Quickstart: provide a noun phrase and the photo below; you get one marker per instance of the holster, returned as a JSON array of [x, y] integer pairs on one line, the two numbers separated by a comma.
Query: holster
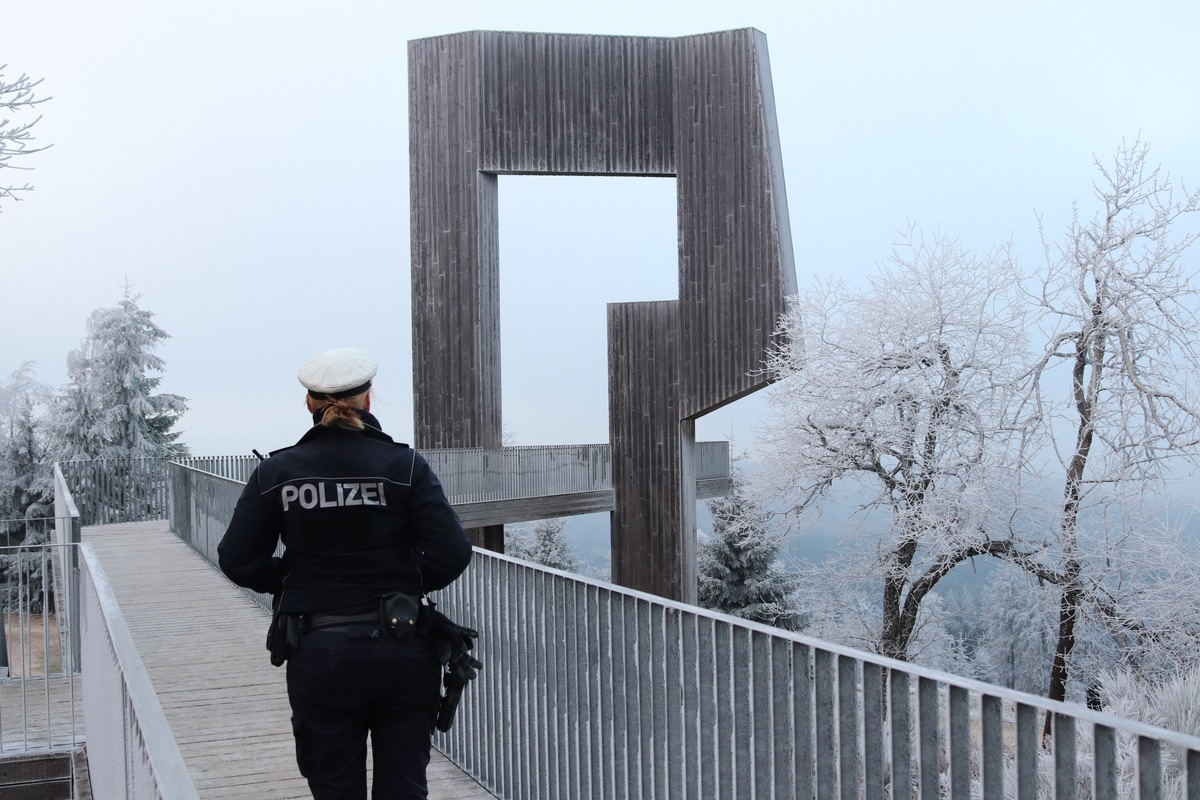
[[453, 644], [448, 704], [283, 637]]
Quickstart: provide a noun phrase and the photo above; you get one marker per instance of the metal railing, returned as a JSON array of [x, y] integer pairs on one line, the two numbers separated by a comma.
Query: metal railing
[[202, 504], [590, 690], [112, 490], [237, 468], [132, 489], [593, 691], [40, 702], [131, 751], [513, 473]]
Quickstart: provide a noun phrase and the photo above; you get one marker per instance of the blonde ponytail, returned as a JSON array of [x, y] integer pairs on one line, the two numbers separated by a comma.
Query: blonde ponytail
[[339, 412]]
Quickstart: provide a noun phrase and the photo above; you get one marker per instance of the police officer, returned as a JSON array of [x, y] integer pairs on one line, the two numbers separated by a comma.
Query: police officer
[[361, 517]]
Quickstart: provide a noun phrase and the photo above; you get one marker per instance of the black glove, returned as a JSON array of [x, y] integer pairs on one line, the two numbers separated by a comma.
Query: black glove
[[453, 644]]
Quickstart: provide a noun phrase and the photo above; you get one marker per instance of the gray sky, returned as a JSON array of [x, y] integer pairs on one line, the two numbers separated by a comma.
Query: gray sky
[[244, 166]]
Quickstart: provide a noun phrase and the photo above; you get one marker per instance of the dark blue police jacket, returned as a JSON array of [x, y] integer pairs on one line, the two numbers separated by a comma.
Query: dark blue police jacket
[[359, 516]]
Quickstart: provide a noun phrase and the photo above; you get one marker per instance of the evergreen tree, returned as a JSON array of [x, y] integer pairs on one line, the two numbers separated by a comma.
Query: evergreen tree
[[26, 490], [109, 409], [25, 580], [738, 564], [76, 430], [545, 544], [25, 483]]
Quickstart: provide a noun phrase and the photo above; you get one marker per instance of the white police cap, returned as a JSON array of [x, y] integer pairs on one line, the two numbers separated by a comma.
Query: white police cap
[[341, 372]]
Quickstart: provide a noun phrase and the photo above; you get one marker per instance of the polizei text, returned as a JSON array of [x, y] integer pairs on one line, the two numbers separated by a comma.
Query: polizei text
[[329, 494]]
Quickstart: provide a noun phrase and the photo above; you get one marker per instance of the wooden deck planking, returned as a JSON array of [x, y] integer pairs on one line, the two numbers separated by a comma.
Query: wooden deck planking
[[202, 641], [23, 719]]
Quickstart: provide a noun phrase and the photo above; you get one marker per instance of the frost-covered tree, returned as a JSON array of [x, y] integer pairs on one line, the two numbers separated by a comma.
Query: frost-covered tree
[[1140, 596], [26, 489], [77, 432], [25, 483], [16, 95], [544, 543], [738, 565], [1018, 631], [901, 393], [110, 408], [1172, 702], [1120, 307], [25, 574]]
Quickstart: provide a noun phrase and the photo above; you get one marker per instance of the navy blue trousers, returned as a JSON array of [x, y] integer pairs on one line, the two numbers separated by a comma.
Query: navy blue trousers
[[348, 684]]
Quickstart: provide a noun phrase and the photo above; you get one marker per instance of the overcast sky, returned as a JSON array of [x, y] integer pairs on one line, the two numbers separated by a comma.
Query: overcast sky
[[243, 165]]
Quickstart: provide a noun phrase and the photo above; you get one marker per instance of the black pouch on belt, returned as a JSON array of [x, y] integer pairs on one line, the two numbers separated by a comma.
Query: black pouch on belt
[[283, 638], [398, 615]]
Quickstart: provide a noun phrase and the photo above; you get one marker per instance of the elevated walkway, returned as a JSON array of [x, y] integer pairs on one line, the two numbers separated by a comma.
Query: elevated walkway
[[201, 639], [589, 691]]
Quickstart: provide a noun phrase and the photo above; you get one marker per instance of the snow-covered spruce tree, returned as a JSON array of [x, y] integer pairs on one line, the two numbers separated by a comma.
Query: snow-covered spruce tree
[[16, 95], [902, 395], [26, 490], [738, 563], [76, 429], [545, 543], [25, 481], [110, 408], [1121, 311]]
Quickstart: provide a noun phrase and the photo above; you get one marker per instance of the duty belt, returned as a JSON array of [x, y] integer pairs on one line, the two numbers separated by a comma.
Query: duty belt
[[314, 622]]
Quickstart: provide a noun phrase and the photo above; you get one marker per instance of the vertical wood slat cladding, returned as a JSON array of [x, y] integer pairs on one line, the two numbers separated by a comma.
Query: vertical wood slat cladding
[[643, 375], [455, 251], [734, 238], [735, 265], [565, 104], [699, 107]]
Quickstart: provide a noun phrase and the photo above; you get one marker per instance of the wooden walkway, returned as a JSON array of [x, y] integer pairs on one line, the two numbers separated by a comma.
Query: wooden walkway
[[201, 640], [36, 714]]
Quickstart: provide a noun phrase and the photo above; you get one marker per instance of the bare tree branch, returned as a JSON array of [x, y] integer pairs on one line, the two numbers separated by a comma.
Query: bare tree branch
[[17, 96]]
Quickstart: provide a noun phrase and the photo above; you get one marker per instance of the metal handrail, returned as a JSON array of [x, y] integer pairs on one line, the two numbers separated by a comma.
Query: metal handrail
[[133, 489], [590, 690], [38, 688], [131, 750]]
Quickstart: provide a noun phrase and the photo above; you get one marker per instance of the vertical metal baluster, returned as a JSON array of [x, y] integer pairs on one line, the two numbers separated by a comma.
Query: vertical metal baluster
[[873, 752], [826, 725], [1028, 742], [1064, 757], [930, 749], [848, 711], [960, 744], [992, 723], [1149, 769], [1104, 772], [901, 713]]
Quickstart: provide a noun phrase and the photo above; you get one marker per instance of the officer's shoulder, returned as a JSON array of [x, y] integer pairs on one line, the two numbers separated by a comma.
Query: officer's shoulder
[[383, 440]]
